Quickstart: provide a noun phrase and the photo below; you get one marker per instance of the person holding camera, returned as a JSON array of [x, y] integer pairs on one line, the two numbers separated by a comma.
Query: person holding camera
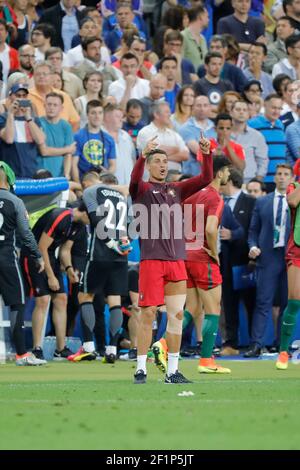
[[20, 133]]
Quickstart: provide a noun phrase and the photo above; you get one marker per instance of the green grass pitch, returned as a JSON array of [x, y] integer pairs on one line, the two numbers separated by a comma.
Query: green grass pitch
[[96, 406]]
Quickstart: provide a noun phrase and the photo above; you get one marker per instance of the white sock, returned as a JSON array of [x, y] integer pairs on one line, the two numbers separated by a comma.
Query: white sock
[[141, 363], [111, 350], [89, 346], [173, 359]]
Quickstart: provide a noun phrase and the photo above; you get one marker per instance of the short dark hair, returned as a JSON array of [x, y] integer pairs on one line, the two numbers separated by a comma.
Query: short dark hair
[[93, 104], [219, 38], [286, 166], [261, 45], [129, 56], [272, 96], [222, 117], [193, 13], [212, 55], [167, 58], [108, 178], [236, 177], [84, 13], [84, 20], [291, 41], [53, 50], [87, 41], [278, 81], [173, 36], [219, 163], [153, 152], [47, 30], [53, 94], [286, 18], [263, 187], [133, 103]]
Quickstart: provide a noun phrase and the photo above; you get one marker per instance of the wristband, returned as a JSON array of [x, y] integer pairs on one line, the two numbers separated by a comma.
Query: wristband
[[68, 267], [29, 120]]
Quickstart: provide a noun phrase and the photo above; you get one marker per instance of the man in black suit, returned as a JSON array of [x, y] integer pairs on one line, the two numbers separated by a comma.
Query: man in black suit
[[268, 236], [242, 206], [64, 17]]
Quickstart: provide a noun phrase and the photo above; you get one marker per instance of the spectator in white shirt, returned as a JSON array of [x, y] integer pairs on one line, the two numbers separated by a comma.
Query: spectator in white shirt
[[130, 86], [291, 65], [125, 149], [168, 140], [41, 39]]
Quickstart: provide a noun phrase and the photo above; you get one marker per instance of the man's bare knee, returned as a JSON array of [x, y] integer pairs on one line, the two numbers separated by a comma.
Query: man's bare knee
[[148, 315], [42, 302]]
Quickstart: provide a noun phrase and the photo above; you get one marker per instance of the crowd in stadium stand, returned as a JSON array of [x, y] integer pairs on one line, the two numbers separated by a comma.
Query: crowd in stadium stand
[[85, 87]]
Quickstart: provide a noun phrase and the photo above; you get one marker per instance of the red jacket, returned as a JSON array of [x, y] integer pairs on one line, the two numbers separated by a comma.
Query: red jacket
[[13, 58]]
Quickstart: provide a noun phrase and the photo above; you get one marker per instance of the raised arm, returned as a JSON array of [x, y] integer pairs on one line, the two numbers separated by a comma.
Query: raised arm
[[293, 197], [137, 185], [192, 185], [136, 179]]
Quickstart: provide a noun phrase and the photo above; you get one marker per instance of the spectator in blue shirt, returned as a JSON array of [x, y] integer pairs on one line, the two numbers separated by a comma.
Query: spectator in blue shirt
[[256, 56], [173, 42], [95, 148], [114, 25], [191, 132], [292, 134], [169, 70], [133, 123], [273, 131], [56, 154]]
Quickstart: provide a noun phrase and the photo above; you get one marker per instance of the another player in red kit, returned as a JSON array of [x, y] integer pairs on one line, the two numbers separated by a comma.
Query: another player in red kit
[[291, 312], [162, 270], [202, 263]]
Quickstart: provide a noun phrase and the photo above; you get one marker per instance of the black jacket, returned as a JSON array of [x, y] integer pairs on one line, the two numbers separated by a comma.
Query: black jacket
[[54, 16], [242, 212]]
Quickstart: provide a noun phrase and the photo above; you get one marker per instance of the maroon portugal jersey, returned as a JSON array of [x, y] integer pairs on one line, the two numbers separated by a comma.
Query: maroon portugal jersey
[[162, 234]]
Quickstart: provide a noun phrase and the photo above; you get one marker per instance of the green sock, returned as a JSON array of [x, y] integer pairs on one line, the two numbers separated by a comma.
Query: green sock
[[187, 318], [288, 322], [209, 333]]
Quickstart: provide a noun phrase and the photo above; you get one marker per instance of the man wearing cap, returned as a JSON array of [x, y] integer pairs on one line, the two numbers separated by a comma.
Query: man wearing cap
[[20, 133]]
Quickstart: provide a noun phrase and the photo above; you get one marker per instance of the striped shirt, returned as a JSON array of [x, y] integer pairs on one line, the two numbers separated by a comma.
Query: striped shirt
[[293, 142], [276, 141]]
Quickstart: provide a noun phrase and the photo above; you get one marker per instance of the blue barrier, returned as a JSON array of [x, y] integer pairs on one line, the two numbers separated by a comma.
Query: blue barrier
[[43, 186]]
